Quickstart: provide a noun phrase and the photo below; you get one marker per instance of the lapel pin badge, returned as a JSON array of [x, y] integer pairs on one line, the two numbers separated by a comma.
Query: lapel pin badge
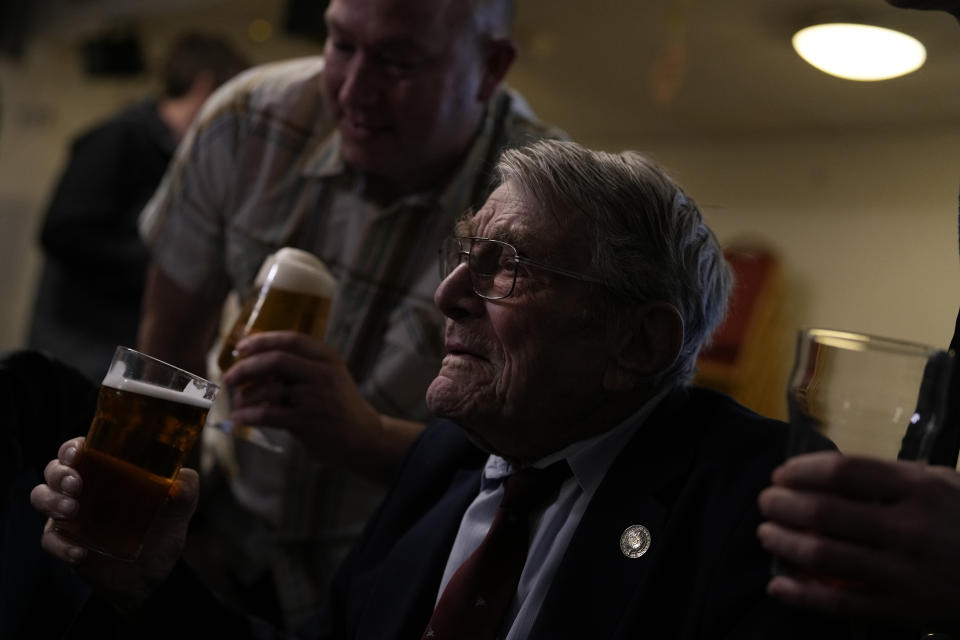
[[635, 541]]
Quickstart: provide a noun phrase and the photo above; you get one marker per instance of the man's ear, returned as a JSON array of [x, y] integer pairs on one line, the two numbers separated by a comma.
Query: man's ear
[[498, 55], [645, 344]]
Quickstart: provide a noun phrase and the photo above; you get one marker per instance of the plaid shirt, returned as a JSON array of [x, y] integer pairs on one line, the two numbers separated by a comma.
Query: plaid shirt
[[261, 170]]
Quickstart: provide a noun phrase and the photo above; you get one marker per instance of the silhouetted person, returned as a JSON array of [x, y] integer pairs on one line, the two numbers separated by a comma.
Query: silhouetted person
[[89, 296]]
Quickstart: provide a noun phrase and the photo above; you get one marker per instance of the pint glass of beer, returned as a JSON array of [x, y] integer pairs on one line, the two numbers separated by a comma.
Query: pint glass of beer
[[295, 290], [148, 416]]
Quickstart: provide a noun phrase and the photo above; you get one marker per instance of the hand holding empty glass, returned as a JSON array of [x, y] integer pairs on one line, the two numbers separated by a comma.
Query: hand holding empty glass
[[870, 533], [871, 396]]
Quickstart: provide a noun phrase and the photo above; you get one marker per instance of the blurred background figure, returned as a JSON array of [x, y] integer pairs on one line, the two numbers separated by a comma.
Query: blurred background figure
[[88, 303], [94, 260]]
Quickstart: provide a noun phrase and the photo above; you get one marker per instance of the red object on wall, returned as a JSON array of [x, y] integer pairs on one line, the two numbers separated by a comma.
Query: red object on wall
[[753, 269], [746, 356]]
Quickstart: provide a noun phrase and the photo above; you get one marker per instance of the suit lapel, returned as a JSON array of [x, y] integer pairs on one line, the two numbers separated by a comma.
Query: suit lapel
[[596, 581], [402, 600]]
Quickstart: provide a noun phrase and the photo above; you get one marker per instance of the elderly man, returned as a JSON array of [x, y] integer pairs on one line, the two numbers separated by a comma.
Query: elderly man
[[888, 531], [576, 301], [365, 157]]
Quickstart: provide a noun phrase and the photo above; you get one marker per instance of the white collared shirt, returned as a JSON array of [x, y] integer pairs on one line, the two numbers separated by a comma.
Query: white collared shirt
[[553, 528]]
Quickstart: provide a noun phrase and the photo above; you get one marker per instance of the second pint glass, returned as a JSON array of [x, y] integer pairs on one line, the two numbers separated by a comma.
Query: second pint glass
[[295, 290]]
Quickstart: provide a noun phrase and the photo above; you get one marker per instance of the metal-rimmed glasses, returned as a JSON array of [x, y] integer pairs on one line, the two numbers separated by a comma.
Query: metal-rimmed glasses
[[493, 265]]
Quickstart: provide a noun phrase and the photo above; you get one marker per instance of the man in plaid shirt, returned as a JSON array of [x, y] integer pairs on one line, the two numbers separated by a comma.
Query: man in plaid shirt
[[364, 156]]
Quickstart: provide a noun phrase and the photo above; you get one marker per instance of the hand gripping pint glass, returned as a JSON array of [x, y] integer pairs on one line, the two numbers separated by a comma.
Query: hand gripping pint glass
[[295, 290], [148, 416]]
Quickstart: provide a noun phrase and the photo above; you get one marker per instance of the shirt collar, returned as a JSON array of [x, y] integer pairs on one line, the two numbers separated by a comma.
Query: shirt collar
[[588, 459], [326, 161]]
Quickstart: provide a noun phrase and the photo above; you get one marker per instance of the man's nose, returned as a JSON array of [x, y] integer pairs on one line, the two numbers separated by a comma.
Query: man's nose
[[455, 296], [362, 82]]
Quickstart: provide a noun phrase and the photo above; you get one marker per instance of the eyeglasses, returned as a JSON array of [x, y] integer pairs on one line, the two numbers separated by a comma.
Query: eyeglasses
[[492, 265]]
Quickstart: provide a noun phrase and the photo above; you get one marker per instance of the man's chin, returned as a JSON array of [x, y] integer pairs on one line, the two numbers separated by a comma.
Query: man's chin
[[363, 158], [445, 398]]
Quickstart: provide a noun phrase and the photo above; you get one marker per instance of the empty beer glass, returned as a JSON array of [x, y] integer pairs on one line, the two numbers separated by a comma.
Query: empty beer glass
[[872, 396], [148, 416]]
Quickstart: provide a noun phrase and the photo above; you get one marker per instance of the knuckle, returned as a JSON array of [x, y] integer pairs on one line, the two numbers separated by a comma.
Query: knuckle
[[811, 551], [837, 468], [38, 496], [933, 488], [64, 453], [818, 512], [776, 502], [50, 471]]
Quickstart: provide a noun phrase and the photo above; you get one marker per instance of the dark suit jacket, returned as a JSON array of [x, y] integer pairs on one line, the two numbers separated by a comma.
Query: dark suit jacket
[[691, 475]]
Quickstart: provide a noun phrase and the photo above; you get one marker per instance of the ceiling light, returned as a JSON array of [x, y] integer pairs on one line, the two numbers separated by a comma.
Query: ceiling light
[[859, 51]]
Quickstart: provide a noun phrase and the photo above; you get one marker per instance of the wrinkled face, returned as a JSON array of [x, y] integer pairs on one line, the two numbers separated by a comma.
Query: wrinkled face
[[522, 375], [403, 80]]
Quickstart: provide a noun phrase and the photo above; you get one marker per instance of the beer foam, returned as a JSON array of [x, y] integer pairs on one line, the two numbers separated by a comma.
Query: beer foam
[[190, 395], [264, 270], [301, 272]]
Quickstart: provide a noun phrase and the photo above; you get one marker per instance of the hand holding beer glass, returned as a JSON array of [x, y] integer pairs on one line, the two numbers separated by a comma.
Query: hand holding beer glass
[[295, 290], [873, 397], [148, 416]]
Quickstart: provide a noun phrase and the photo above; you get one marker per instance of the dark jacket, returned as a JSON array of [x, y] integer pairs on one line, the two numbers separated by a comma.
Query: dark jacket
[[90, 291], [691, 475]]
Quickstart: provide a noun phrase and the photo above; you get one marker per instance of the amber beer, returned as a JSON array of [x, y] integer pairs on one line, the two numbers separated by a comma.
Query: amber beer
[[148, 416], [295, 290]]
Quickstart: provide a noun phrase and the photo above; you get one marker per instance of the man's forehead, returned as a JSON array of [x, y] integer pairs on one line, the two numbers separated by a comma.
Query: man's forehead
[[503, 210], [398, 13], [511, 217]]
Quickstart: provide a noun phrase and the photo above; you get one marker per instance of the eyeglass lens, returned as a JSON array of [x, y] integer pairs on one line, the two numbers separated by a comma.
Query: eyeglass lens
[[490, 264]]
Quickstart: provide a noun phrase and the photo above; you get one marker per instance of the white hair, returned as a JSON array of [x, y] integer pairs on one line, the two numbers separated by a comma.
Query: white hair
[[649, 241]]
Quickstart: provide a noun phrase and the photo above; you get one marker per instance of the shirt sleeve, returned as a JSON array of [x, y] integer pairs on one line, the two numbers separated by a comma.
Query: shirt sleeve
[[183, 224]]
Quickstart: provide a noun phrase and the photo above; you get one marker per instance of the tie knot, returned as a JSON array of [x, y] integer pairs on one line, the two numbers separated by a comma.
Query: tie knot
[[526, 489]]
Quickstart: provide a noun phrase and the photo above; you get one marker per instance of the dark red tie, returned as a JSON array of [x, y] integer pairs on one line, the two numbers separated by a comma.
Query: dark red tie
[[478, 595]]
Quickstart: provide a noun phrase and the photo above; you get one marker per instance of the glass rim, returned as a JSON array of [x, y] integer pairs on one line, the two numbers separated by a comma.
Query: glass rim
[[121, 348], [860, 341]]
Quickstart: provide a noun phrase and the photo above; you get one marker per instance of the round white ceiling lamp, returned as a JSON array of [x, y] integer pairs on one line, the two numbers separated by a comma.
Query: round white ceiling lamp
[[859, 51]]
